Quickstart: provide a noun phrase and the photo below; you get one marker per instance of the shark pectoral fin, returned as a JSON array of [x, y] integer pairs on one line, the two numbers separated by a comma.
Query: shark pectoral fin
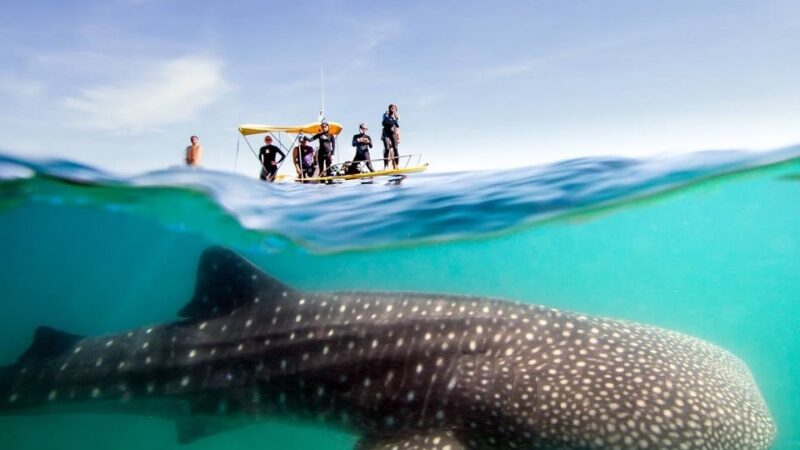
[[191, 429], [431, 440], [48, 342], [226, 281]]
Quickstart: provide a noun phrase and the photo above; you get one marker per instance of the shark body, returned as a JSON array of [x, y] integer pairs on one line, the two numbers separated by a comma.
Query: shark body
[[400, 370]]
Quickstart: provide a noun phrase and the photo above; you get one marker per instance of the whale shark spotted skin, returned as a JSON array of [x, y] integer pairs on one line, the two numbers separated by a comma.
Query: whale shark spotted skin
[[400, 370]]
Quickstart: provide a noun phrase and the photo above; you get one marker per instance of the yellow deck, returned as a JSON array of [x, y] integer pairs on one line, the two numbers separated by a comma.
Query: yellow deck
[[358, 176]]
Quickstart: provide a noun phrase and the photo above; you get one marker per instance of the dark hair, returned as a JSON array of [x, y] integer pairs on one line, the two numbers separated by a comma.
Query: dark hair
[[392, 104], [193, 137]]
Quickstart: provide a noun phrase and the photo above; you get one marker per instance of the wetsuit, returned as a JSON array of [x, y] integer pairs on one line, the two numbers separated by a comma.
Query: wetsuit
[[362, 150], [267, 155], [389, 137], [327, 146], [306, 161]]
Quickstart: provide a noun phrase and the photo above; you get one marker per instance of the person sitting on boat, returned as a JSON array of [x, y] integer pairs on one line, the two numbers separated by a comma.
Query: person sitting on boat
[[303, 159], [327, 146], [267, 155], [362, 142], [390, 137]]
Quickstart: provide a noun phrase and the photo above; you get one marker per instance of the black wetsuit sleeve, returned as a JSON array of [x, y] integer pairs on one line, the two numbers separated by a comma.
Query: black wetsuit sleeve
[[315, 137], [283, 155], [333, 145], [355, 142], [370, 141]]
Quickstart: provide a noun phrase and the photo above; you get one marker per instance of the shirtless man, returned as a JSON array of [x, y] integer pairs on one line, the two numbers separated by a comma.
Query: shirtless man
[[194, 152]]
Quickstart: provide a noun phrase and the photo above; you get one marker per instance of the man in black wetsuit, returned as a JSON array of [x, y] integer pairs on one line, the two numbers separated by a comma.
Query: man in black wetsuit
[[362, 142], [267, 155], [390, 137], [327, 146]]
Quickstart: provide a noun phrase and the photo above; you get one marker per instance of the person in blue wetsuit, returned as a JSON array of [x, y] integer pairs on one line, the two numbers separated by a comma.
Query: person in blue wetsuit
[[362, 142], [327, 146], [390, 137]]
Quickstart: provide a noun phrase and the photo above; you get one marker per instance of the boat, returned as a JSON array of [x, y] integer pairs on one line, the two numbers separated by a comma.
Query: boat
[[339, 172]]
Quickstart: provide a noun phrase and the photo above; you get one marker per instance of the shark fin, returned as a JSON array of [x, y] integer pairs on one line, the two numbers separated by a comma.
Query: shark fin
[[434, 439], [191, 429], [226, 281], [48, 342]]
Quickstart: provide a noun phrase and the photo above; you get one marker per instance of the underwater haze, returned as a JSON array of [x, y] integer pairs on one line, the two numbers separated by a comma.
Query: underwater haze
[[706, 244]]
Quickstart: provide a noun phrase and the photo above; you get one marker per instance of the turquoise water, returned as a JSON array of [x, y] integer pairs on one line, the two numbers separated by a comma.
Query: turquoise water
[[708, 245]]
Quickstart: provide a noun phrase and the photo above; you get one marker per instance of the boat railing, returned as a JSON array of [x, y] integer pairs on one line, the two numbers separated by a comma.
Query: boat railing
[[407, 158], [404, 160]]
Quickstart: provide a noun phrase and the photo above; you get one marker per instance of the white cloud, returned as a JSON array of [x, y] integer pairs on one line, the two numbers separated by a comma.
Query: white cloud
[[20, 87], [172, 92]]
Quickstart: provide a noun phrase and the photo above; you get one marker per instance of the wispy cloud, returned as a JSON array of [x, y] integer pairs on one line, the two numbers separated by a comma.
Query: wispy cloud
[[174, 91], [543, 62], [372, 35], [428, 100], [510, 70], [20, 87]]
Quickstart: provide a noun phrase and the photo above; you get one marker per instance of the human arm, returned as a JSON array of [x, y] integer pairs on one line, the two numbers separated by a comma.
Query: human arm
[[296, 160], [283, 155]]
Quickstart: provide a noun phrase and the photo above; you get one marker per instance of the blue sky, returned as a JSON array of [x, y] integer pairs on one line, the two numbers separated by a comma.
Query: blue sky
[[121, 85]]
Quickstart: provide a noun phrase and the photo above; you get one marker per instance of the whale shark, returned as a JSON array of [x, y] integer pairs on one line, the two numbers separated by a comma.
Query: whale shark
[[399, 370]]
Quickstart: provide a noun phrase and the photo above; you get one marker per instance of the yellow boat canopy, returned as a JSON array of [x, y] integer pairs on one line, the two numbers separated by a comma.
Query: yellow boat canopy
[[311, 128]]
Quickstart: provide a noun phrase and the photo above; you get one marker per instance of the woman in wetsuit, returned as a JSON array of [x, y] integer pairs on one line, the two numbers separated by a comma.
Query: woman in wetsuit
[[390, 137], [327, 146]]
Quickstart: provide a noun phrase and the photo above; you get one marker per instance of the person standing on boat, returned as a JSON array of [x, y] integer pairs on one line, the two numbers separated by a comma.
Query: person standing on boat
[[303, 159], [327, 146], [267, 155], [391, 137], [362, 142], [194, 152]]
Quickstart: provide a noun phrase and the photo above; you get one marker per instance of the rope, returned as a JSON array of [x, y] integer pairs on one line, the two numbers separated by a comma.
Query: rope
[[236, 160]]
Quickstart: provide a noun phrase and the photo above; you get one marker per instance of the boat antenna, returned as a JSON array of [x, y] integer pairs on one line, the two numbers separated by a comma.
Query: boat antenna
[[322, 94]]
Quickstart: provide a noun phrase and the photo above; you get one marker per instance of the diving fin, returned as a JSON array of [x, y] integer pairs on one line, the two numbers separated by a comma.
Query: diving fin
[[191, 429], [48, 342], [432, 440]]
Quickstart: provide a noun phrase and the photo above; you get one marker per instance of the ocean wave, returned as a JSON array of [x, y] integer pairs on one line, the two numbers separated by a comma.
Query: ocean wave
[[425, 207]]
